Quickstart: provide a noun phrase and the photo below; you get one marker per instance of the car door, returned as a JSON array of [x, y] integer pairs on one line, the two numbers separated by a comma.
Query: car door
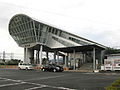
[[24, 66], [21, 65], [49, 67]]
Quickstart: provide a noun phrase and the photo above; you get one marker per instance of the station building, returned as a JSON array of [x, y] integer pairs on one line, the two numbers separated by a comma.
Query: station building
[[34, 35]]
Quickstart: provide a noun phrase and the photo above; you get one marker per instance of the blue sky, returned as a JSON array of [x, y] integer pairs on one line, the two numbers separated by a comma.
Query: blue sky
[[97, 20]]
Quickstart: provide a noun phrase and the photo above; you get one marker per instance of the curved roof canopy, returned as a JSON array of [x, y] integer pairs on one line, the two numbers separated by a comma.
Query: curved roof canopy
[[21, 28], [28, 32]]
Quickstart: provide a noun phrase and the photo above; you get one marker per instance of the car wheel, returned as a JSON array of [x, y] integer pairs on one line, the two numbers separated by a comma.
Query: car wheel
[[54, 70], [19, 68], [43, 69], [26, 68]]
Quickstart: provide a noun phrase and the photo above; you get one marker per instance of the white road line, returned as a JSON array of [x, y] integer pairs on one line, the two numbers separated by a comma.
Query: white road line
[[62, 88], [11, 84], [35, 88], [39, 85], [5, 79]]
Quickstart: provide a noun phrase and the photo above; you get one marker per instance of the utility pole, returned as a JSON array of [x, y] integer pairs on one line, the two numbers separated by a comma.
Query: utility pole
[[3, 55]]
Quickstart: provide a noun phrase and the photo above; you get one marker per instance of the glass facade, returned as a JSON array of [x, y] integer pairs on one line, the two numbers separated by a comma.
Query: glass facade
[[21, 28], [62, 42], [78, 41], [24, 30]]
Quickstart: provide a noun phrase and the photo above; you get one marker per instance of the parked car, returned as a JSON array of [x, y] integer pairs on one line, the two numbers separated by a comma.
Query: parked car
[[25, 66], [52, 67]]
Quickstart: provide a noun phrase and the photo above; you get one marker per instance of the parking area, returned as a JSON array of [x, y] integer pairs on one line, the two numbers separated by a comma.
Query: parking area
[[14, 79]]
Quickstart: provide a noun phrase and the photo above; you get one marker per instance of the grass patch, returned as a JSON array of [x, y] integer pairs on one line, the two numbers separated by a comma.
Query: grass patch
[[114, 86]]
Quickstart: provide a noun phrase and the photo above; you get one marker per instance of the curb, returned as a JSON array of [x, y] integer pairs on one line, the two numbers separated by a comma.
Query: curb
[[79, 71]]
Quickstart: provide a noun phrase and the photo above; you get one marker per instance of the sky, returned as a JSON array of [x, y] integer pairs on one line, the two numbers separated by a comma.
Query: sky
[[96, 20]]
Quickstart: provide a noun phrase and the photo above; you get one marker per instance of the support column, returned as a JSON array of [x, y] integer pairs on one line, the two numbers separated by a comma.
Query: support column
[[37, 56], [94, 64], [70, 59], [63, 60], [40, 54], [24, 55], [54, 57], [102, 55], [47, 54], [66, 60], [84, 57], [30, 55], [74, 59], [58, 58], [47, 57]]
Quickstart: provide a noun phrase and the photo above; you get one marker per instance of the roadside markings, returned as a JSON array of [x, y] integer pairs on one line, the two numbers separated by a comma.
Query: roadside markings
[[37, 84], [5, 79], [62, 88], [11, 84], [35, 88]]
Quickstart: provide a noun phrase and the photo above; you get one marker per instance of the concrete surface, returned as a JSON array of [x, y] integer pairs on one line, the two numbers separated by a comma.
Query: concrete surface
[[14, 79]]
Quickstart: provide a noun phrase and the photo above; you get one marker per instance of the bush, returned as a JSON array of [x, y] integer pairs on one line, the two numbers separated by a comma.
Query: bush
[[2, 64], [13, 62], [115, 85]]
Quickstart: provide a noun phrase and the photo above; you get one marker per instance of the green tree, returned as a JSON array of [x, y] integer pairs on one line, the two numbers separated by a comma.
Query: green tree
[[111, 51], [13, 62]]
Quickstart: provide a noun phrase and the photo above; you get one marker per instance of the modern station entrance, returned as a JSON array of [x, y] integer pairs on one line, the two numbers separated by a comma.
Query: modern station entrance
[[69, 50]]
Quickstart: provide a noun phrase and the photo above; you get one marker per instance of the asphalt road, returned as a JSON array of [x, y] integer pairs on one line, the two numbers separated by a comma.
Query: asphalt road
[[13, 79]]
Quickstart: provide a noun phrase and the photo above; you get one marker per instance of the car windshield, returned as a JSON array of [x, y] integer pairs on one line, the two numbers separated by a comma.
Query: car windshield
[[54, 65]]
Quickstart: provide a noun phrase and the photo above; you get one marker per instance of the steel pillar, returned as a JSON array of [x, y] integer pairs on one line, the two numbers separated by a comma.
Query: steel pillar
[[58, 58], [40, 54], [74, 59], [24, 55], [66, 60], [54, 57], [94, 64], [47, 57]]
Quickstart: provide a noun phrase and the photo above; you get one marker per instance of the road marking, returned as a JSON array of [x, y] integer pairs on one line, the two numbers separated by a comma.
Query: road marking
[[62, 88], [39, 85], [11, 84], [5, 79], [35, 88]]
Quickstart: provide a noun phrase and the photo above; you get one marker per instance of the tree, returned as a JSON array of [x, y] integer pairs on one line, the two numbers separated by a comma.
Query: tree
[[13, 62], [111, 51]]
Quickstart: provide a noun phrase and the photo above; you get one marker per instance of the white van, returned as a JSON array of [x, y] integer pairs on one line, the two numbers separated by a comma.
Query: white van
[[25, 66]]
